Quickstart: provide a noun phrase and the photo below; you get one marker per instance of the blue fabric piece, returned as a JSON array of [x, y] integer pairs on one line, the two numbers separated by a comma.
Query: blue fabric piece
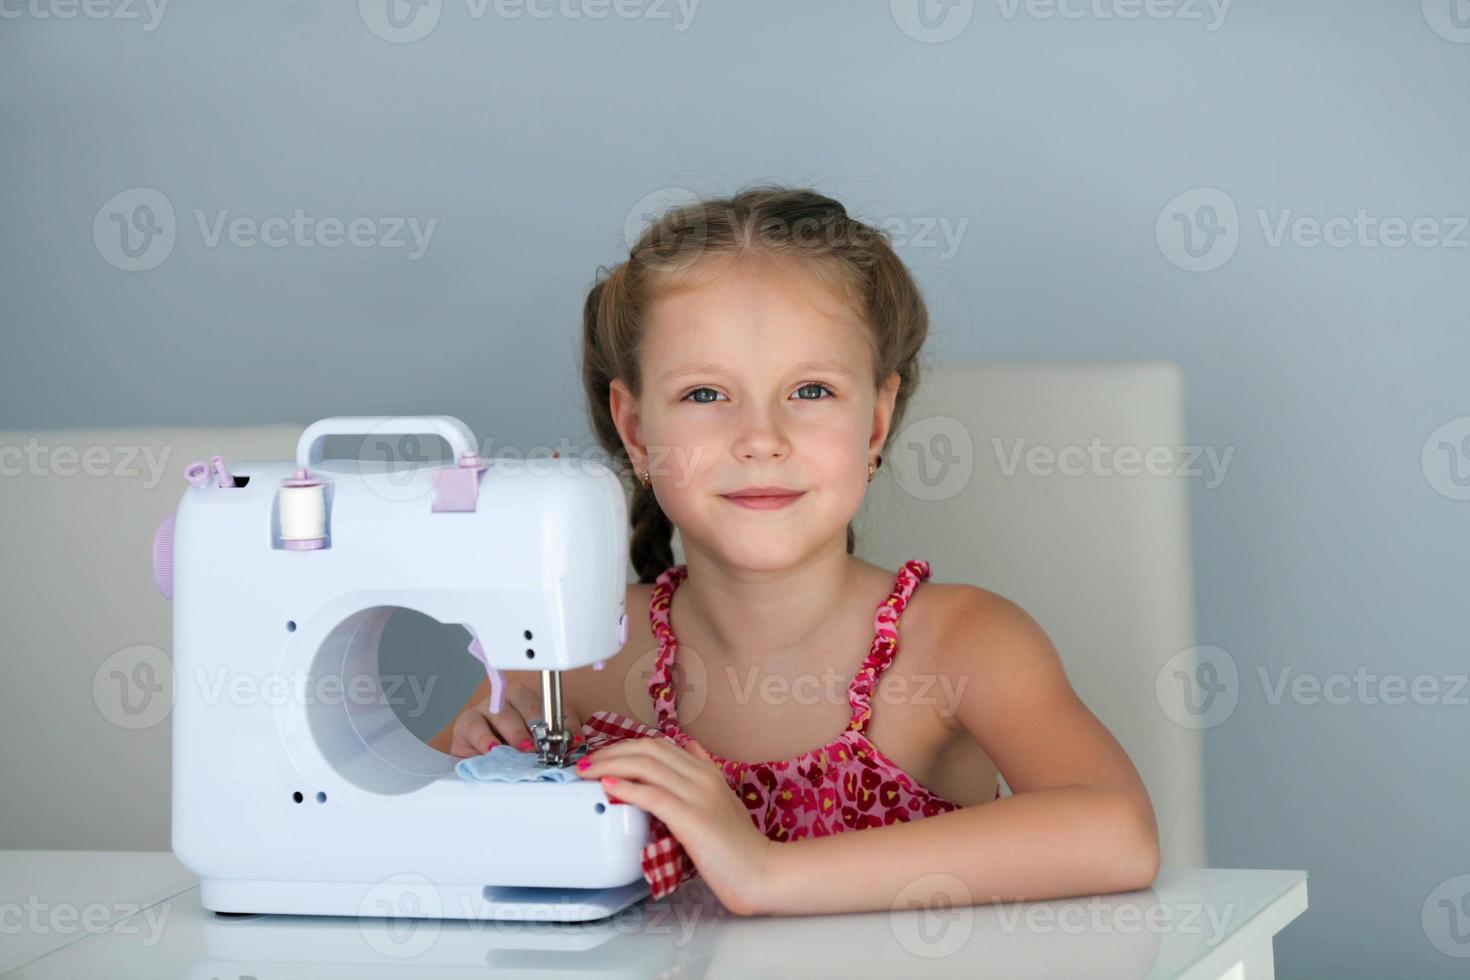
[[507, 764]]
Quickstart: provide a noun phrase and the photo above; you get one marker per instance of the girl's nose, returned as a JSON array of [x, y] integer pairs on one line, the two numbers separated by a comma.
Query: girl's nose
[[761, 438]]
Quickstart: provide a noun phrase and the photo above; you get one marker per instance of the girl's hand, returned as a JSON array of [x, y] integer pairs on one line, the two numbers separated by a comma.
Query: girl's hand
[[687, 791], [477, 730]]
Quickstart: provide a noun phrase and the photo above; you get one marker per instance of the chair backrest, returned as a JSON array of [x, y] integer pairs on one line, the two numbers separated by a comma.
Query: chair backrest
[[1101, 560], [1035, 481]]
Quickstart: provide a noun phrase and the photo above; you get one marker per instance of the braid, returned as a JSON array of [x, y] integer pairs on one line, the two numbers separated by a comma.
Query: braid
[[651, 547]]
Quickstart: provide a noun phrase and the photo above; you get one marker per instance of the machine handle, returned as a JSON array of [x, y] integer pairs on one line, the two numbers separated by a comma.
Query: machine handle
[[309, 448]]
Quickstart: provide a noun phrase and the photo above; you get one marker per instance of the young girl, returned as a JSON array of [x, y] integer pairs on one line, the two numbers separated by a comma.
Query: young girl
[[752, 357]]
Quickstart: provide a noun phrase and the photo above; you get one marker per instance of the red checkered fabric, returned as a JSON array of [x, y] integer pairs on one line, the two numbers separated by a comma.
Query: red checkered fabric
[[666, 866]]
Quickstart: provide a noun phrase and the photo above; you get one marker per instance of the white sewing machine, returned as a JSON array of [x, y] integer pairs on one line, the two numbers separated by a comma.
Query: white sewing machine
[[296, 789]]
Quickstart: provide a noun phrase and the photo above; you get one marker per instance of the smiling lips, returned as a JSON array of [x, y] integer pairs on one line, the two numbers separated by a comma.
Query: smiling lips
[[763, 498]]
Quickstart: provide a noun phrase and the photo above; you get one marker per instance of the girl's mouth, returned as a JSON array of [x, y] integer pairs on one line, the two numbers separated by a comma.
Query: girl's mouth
[[764, 501]]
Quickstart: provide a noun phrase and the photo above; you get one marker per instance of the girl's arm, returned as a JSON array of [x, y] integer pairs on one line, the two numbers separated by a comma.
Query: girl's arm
[[1080, 822]]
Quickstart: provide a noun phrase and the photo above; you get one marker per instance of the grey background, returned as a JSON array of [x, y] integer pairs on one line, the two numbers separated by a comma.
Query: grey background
[[1327, 547]]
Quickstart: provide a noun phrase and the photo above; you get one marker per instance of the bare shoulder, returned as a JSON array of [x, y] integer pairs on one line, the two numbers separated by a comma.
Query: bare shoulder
[[981, 635], [1018, 705]]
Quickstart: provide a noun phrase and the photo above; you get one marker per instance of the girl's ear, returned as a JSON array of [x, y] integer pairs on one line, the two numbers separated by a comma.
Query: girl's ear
[[624, 409], [883, 411]]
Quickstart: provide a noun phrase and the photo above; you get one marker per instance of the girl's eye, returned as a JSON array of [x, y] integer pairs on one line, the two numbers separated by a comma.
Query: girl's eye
[[701, 401], [816, 386]]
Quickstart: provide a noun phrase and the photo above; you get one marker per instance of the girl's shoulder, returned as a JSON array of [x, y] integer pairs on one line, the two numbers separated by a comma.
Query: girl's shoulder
[[989, 643], [954, 604], [964, 617], [955, 629]]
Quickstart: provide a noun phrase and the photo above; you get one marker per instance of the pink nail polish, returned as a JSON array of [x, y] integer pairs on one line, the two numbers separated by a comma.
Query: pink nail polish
[[526, 745], [583, 763]]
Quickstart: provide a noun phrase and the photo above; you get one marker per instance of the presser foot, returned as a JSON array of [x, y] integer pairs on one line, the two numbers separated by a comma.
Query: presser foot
[[553, 747]]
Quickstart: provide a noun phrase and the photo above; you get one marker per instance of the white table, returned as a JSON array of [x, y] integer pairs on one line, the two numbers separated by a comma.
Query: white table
[[137, 914], [50, 899]]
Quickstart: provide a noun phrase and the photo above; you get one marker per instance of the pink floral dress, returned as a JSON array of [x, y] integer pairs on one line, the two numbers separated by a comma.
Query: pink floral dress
[[847, 784]]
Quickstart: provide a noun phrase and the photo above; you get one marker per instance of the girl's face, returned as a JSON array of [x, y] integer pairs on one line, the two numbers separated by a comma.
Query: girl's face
[[756, 377]]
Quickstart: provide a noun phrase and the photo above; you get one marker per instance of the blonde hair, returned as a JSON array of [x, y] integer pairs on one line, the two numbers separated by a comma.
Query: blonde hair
[[765, 222]]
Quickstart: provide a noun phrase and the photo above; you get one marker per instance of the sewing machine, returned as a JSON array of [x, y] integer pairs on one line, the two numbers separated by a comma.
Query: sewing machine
[[296, 788]]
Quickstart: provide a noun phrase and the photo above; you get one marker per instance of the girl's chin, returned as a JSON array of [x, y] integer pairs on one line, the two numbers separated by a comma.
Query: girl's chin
[[770, 548]]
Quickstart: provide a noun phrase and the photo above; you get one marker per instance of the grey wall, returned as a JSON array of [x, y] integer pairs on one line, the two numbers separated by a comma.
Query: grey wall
[[1052, 146]]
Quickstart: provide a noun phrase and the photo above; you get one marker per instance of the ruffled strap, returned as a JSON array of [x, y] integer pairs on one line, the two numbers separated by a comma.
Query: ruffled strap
[[885, 641], [660, 682]]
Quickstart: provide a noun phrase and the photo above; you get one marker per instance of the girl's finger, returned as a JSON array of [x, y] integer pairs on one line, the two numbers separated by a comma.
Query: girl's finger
[[473, 735], [698, 751], [521, 708], [653, 799], [681, 757], [643, 767], [657, 746], [513, 730]]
